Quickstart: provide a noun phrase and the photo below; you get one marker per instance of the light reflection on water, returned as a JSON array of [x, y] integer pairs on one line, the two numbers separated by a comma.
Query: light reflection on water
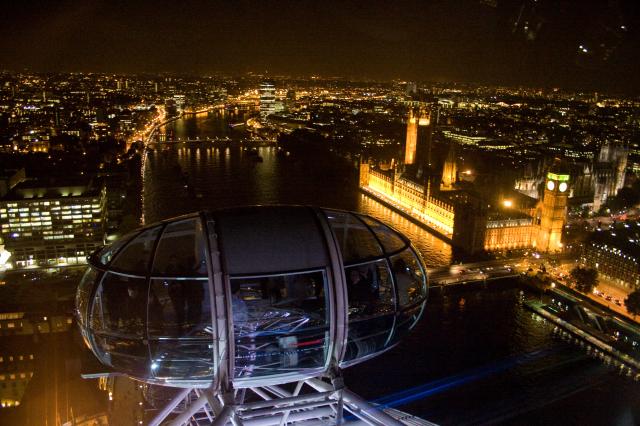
[[228, 176], [219, 175], [435, 251]]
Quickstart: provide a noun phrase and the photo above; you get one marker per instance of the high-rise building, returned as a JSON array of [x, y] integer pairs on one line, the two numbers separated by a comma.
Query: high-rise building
[[180, 101], [267, 99], [411, 88]]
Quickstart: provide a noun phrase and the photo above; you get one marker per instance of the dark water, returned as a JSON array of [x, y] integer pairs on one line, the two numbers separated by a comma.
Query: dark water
[[477, 357]]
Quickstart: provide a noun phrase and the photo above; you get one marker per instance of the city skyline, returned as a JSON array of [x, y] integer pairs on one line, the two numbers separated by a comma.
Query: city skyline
[[218, 211], [586, 47]]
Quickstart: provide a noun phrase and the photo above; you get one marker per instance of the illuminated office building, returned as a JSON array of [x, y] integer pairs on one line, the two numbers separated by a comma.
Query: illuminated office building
[[52, 224], [16, 371], [267, 99], [180, 102]]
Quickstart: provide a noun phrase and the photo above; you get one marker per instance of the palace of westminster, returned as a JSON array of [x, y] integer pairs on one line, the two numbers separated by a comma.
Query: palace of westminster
[[533, 216]]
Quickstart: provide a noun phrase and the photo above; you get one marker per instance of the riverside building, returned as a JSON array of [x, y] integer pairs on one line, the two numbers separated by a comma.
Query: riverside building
[[52, 224], [461, 216], [615, 253]]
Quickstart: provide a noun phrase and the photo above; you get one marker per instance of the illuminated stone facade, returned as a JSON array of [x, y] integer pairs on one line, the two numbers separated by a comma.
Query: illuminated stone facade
[[449, 171], [412, 139], [508, 233], [553, 214], [461, 216], [410, 197], [464, 220]]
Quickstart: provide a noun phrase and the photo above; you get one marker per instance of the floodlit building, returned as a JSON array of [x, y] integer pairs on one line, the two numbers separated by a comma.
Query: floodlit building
[[592, 181], [461, 216], [52, 224]]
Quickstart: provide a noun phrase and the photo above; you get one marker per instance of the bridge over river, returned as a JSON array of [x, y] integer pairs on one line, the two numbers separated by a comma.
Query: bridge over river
[[489, 270], [254, 141]]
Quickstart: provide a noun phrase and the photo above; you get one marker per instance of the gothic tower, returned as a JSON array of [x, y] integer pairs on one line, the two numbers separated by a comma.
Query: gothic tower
[[412, 139], [554, 212], [364, 173], [423, 143], [449, 171]]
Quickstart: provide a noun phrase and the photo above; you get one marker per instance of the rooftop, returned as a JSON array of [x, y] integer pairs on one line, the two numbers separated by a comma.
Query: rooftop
[[56, 188]]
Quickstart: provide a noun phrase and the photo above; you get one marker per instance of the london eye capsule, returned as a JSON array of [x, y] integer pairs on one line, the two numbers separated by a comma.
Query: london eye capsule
[[252, 295]]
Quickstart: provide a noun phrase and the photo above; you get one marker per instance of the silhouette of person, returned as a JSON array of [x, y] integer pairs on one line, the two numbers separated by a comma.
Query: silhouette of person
[[404, 281], [359, 289], [176, 291], [136, 308]]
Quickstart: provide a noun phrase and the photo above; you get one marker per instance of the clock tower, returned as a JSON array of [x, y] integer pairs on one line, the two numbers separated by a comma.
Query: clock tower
[[553, 212]]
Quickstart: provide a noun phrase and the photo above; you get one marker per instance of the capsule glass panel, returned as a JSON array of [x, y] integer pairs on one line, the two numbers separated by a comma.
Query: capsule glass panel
[[281, 323], [123, 353], [409, 276], [84, 293], [120, 306], [135, 257], [179, 308], [371, 308], [356, 242], [390, 239], [180, 358], [105, 255], [181, 250]]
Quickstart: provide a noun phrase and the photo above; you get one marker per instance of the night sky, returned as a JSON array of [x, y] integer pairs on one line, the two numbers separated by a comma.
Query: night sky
[[490, 41]]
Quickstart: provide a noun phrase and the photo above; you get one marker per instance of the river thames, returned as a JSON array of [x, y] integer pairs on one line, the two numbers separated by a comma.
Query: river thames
[[477, 357]]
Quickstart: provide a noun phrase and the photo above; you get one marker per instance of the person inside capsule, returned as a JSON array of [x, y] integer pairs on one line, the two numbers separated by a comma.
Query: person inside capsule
[[288, 307]]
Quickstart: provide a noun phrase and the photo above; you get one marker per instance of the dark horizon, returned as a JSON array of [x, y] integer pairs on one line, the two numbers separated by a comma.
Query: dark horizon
[[513, 43]]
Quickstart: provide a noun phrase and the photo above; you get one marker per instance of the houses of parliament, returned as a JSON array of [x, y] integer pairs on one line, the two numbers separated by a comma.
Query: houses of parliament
[[459, 214]]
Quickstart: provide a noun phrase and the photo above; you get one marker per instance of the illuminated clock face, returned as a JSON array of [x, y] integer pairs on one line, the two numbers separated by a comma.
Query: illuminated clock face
[[551, 185], [562, 187]]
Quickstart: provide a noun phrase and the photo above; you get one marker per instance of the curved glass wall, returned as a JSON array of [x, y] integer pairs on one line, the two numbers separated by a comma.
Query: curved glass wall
[[280, 323], [150, 312], [146, 303], [385, 284]]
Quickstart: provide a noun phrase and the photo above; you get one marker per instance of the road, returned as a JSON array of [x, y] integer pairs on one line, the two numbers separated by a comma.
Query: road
[[490, 269]]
